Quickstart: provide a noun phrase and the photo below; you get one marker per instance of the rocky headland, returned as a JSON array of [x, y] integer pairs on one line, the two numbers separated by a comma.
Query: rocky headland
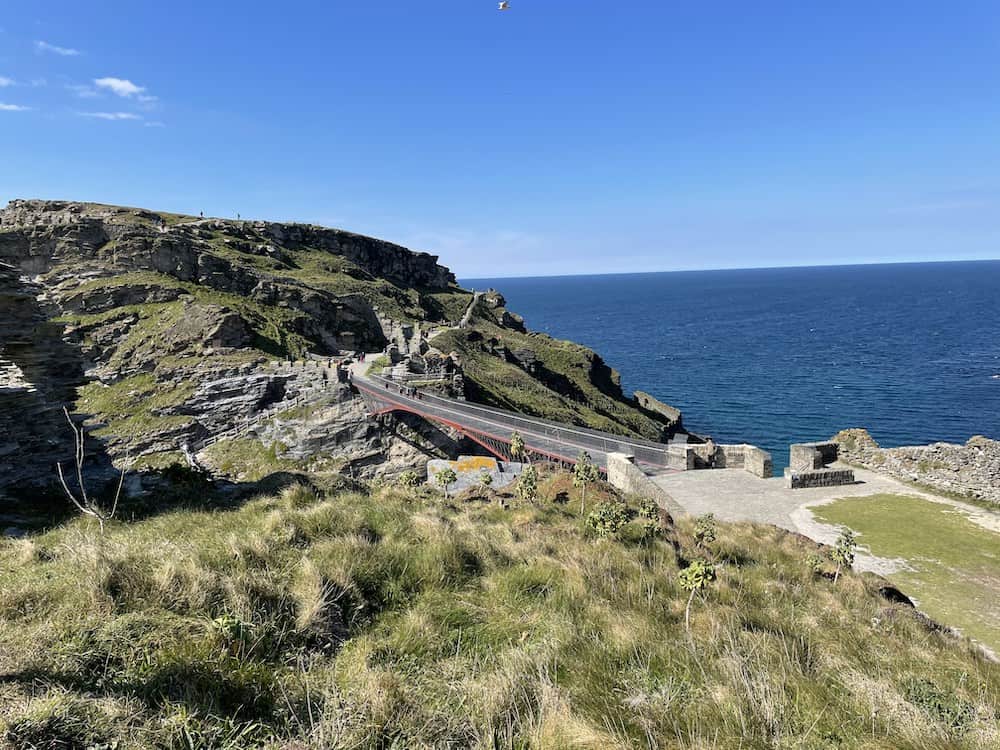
[[181, 339]]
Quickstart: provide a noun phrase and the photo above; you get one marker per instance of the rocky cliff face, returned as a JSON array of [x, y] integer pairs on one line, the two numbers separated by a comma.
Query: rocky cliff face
[[38, 371], [969, 470], [169, 330], [508, 366], [176, 336], [39, 235]]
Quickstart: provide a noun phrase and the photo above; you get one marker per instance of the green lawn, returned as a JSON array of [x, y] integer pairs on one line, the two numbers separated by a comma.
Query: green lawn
[[956, 561]]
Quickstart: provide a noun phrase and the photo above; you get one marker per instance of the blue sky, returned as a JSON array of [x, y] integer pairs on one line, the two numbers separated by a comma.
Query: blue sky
[[558, 137]]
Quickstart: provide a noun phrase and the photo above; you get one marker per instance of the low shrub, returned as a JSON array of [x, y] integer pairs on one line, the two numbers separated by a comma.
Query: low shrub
[[609, 518]]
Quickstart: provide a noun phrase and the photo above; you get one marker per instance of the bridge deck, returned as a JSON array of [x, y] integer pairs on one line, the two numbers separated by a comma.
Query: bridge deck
[[490, 426]]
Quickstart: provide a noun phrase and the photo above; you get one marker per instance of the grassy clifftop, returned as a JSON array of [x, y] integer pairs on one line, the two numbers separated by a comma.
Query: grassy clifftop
[[507, 366], [397, 619]]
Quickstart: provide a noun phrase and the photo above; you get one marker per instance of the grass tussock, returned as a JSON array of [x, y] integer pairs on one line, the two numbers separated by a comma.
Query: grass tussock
[[395, 619]]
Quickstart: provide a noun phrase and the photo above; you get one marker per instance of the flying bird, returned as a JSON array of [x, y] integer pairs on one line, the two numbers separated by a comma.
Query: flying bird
[[504, 5]]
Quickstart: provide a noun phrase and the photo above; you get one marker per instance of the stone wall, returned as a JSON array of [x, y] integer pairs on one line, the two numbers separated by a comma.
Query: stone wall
[[806, 456], [680, 458], [971, 470], [748, 457], [659, 410], [809, 466], [797, 480], [626, 477], [730, 457], [758, 462]]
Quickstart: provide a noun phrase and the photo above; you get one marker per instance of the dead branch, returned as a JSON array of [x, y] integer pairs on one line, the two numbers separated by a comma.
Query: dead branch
[[84, 503]]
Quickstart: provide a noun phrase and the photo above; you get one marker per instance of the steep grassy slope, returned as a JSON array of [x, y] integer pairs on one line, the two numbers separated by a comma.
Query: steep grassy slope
[[510, 367], [397, 620]]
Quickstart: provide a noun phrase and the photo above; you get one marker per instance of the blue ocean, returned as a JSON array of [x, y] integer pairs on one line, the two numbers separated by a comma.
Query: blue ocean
[[774, 356]]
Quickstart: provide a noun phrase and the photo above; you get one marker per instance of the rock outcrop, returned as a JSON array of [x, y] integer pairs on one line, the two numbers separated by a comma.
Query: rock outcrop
[[166, 332], [213, 342], [970, 470], [38, 372], [37, 235]]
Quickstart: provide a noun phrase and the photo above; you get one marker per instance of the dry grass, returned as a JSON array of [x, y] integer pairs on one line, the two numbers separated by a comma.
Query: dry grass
[[396, 620]]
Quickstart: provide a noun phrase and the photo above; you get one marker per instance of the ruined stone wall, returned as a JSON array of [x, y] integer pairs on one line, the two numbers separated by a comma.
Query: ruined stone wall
[[805, 456], [970, 470], [680, 458], [809, 466], [704, 454], [730, 457], [750, 458], [758, 462], [671, 415], [744, 456]]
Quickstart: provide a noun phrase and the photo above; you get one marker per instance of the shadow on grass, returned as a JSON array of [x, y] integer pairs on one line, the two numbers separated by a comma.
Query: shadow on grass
[[176, 488], [222, 686]]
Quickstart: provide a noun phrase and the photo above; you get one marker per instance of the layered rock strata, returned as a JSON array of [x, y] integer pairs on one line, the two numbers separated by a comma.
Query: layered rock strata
[[38, 372]]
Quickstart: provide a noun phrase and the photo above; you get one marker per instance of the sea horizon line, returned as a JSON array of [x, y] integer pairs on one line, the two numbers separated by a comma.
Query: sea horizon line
[[465, 279]]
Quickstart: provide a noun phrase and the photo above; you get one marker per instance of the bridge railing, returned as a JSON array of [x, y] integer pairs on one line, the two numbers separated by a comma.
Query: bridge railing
[[579, 438], [575, 429]]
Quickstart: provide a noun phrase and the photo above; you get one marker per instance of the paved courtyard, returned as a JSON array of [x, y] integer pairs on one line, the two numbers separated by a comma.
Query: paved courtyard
[[735, 495]]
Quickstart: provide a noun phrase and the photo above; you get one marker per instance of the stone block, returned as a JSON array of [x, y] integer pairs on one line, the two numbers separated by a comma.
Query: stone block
[[795, 480], [805, 456], [758, 462]]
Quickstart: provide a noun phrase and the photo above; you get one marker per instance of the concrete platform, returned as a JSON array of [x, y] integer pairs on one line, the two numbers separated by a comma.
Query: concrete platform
[[735, 495]]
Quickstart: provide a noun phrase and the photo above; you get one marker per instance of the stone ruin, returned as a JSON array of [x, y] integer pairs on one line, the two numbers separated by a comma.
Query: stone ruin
[[432, 369], [684, 456], [810, 465], [971, 469]]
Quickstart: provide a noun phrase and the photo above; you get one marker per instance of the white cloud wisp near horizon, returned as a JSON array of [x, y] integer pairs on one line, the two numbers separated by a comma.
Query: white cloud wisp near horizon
[[82, 91], [114, 116], [41, 46], [13, 108]]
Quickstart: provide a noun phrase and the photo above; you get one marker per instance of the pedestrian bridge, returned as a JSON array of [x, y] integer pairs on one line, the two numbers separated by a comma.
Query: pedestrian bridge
[[492, 428]]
